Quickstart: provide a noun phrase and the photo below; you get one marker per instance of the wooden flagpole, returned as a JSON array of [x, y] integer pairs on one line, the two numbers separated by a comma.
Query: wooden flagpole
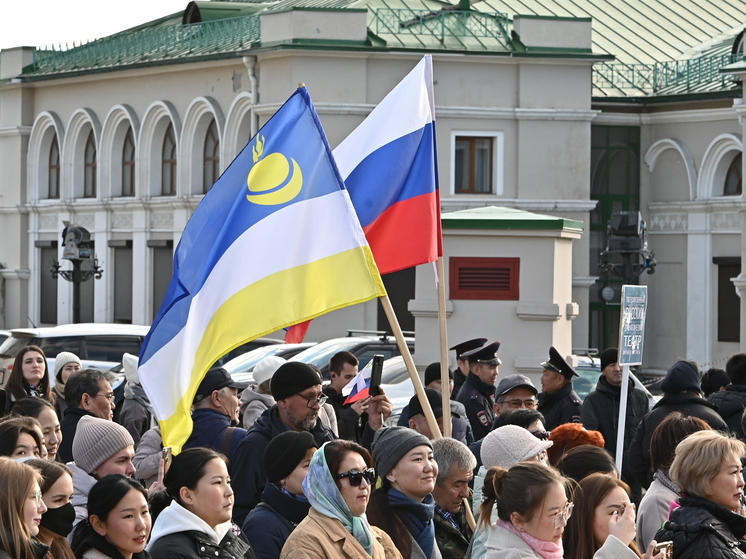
[[416, 381], [445, 381]]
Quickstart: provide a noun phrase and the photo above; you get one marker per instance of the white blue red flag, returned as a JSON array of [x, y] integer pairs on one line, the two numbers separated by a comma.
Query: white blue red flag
[[359, 387]]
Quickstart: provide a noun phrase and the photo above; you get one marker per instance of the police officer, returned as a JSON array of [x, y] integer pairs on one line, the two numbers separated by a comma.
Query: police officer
[[558, 402], [477, 393], [459, 375]]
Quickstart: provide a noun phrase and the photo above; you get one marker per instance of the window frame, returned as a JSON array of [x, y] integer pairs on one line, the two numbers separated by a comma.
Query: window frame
[[129, 166], [90, 168], [53, 170], [498, 160], [172, 163], [212, 160]]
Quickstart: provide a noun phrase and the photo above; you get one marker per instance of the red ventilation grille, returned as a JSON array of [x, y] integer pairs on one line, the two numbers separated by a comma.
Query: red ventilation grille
[[484, 278]]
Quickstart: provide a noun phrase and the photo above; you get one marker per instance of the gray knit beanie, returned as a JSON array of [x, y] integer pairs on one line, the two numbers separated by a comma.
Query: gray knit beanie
[[390, 444], [96, 440], [510, 444], [62, 359]]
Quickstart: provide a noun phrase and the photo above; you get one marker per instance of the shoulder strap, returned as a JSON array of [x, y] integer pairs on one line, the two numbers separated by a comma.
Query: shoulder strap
[[225, 445], [289, 525]]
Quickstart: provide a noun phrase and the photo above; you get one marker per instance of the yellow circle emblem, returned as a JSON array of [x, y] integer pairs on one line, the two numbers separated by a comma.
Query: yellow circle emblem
[[274, 179]]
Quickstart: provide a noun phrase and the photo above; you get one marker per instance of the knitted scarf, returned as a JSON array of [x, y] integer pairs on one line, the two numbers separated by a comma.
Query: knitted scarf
[[548, 550], [666, 481], [417, 517]]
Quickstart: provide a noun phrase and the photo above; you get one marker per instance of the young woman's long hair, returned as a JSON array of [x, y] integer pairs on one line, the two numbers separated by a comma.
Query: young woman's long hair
[[17, 482], [50, 473], [16, 384], [381, 514], [578, 540], [103, 497]]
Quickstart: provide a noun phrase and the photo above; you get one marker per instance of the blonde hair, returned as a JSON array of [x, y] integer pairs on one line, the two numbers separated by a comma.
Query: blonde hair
[[17, 482], [698, 459]]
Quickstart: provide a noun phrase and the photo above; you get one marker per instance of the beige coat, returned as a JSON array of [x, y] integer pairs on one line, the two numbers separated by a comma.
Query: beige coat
[[321, 537]]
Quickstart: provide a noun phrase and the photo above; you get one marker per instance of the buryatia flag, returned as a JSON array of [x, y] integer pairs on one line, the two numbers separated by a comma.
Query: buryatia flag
[[359, 387], [389, 165], [275, 242]]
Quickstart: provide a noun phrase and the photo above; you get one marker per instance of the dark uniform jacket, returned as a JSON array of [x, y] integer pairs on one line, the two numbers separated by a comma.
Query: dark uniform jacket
[[68, 426], [560, 407], [250, 477], [272, 521], [600, 412], [452, 543], [702, 529], [459, 379], [686, 403], [478, 397], [730, 403], [350, 425], [210, 431], [193, 544]]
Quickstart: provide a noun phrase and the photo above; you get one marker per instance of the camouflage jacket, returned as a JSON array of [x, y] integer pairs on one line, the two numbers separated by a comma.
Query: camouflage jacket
[[452, 543]]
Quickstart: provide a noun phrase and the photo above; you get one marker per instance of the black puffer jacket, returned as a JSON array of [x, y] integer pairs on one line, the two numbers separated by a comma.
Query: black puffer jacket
[[701, 529], [558, 408], [193, 544], [731, 402]]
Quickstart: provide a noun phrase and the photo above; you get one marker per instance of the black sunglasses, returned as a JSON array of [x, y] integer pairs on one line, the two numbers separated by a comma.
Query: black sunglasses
[[356, 476]]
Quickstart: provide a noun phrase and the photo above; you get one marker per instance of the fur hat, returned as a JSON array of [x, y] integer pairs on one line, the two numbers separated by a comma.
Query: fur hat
[[510, 444], [96, 440], [570, 435]]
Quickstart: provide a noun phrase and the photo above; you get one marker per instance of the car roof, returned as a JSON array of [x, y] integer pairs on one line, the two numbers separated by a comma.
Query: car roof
[[84, 329]]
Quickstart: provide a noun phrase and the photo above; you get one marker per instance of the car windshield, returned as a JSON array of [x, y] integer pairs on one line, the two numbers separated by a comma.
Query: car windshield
[[13, 345], [320, 354]]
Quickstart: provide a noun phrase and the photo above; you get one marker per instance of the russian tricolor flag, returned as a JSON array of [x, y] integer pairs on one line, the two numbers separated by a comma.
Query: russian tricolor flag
[[359, 387], [389, 166]]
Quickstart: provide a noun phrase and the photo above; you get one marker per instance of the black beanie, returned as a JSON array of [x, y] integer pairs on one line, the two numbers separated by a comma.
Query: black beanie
[[284, 453], [608, 356], [680, 377], [433, 373], [293, 378]]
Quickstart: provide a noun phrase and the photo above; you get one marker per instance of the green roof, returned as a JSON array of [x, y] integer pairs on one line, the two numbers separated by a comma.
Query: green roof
[[496, 217]]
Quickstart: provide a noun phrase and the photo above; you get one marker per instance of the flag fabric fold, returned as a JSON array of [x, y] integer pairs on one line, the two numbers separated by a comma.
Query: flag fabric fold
[[259, 254], [359, 387]]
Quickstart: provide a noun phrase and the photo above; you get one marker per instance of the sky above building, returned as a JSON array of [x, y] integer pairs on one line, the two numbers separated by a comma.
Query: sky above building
[[51, 22]]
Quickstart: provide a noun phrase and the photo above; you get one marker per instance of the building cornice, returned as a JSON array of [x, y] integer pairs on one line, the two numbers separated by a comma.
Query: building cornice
[[464, 203], [669, 117]]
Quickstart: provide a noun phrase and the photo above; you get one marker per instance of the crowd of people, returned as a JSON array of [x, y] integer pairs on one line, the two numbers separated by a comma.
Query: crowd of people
[[286, 469]]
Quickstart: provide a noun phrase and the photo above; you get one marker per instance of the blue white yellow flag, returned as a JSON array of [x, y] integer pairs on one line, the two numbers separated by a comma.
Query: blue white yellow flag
[[275, 242]]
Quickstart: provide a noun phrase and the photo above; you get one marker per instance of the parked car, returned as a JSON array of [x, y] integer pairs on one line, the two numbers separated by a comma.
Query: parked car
[[4, 335], [363, 347], [241, 367], [245, 348], [97, 345]]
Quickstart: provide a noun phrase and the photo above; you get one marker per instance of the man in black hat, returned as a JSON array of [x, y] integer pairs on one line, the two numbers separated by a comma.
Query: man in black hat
[[477, 392], [417, 419], [296, 387], [558, 402], [515, 392], [462, 370]]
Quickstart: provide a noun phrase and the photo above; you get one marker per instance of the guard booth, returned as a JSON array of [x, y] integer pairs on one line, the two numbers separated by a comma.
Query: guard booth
[[509, 279]]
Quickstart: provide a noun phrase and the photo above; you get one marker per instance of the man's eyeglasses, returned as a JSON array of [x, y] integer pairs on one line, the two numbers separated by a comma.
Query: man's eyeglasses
[[561, 517], [356, 476], [109, 396], [311, 402], [541, 435], [517, 403]]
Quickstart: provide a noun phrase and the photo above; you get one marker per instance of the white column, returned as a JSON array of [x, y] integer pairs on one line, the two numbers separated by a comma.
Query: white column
[[142, 282], [699, 331]]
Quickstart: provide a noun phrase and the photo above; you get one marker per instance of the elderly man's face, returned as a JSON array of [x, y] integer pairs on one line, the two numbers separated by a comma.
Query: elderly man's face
[[455, 488], [300, 411]]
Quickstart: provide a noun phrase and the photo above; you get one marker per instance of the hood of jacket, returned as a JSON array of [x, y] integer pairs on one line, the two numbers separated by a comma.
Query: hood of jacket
[[175, 519], [730, 401], [683, 398], [250, 395]]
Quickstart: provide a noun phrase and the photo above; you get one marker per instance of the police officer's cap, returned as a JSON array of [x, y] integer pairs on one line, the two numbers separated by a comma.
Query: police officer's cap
[[463, 347], [558, 365], [486, 354]]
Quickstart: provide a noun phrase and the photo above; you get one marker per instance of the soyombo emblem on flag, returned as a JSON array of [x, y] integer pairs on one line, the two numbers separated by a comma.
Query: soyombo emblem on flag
[[275, 242]]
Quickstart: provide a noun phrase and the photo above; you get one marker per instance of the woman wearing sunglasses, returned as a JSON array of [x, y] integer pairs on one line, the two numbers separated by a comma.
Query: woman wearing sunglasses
[[20, 511], [403, 506], [533, 510], [197, 523], [338, 485], [283, 506]]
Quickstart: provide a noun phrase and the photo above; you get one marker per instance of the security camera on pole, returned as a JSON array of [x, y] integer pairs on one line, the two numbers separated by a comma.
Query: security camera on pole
[[77, 249], [631, 337]]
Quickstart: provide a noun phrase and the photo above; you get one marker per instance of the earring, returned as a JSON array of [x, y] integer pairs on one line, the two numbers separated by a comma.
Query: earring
[[282, 483]]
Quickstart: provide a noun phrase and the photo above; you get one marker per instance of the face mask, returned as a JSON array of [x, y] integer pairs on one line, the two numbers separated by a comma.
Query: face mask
[[59, 520]]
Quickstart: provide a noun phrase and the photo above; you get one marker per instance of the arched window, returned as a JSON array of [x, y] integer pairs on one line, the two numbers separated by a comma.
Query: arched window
[[128, 165], [211, 158], [168, 172], [53, 188], [89, 174], [733, 179]]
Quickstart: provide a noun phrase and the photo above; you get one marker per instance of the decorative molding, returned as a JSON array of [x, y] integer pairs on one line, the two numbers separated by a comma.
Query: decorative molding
[[85, 220], [465, 202], [10, 131], [711, 176], [161, 220], [19, 274], [669, 222], [427, 308], [584, 281], [730, 221], [669, 117], [121, 220], [538, 311], [553, 114], [49, 222], [668, 143]]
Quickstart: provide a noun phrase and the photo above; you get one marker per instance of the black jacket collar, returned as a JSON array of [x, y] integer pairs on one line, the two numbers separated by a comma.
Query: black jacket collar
[[482, 387]]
